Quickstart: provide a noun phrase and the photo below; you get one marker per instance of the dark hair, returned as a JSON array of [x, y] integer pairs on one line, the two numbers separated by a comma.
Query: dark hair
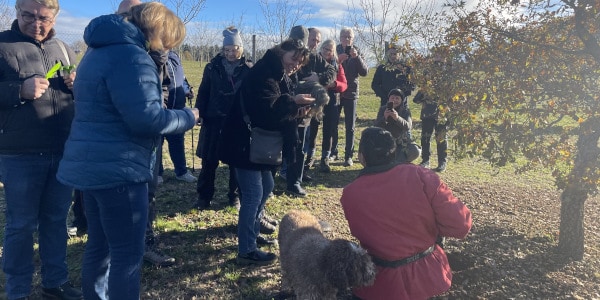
[[377, 146], [296, 45]]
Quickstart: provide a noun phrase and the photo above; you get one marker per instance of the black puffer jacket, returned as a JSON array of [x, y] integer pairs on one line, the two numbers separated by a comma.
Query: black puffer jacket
[[33, 126]]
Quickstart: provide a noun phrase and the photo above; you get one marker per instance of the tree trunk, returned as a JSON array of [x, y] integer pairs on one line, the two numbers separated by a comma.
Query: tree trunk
[[571, 234], [579, 186]]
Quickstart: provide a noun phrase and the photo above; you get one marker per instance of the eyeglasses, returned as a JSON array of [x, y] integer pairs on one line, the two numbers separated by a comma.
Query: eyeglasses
[[31, 18]]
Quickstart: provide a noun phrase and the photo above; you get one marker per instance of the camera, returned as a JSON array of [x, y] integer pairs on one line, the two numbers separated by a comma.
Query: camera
[[390, 105], [347, 50]]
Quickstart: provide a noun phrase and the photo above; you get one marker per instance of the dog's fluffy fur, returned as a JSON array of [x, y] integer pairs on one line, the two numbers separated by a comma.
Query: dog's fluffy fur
[[316, 267], [316, 91]]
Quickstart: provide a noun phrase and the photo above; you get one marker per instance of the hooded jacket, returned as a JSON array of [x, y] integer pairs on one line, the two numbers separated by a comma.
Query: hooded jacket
[[33, 126], [119, 110]]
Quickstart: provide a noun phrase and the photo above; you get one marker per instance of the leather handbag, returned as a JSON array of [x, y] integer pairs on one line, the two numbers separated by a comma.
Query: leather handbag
[[265, 145]]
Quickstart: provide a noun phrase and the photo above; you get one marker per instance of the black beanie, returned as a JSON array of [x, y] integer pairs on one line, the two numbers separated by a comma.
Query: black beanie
[[396, 92]]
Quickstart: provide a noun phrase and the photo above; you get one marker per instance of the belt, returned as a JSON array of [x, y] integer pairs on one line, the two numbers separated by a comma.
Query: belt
[[397, 263]]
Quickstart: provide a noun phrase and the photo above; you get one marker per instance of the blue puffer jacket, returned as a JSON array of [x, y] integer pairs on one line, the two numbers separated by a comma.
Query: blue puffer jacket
[[118, 110]]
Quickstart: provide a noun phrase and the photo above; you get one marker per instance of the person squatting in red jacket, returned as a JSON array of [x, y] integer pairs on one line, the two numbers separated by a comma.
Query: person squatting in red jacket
[[397, 212]]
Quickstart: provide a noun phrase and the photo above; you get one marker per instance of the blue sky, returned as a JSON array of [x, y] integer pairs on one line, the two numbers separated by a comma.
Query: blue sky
[[75, 14]]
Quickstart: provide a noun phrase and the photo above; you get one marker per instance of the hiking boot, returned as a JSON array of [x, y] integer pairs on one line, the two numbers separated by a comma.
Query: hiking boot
[[324, 166], [202, 204], [64, 292], [187, 177], [158, 259], [424, 164], [296, 190], [272, 221], [441, 167], [348, 162], [266, 227], [265, 241], [256, 257]]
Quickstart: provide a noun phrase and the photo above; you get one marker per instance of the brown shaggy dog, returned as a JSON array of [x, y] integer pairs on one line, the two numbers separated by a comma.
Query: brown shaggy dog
[[316, 267]]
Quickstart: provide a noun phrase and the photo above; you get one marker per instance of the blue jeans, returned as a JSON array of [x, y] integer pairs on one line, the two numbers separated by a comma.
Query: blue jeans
[[177, 153], [113, 255], [35, 200], [255, 187]]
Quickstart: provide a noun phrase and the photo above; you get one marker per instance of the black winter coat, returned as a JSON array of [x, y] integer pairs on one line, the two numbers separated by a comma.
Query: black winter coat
[[215, 99], [33, 126], [268, 101], [387, 78]]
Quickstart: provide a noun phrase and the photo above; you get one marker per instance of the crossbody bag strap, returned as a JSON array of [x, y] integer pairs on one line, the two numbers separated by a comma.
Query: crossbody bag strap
[[64, 51]]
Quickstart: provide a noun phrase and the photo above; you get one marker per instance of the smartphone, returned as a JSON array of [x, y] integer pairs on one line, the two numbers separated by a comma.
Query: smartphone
[[347, 50], [390, 105]]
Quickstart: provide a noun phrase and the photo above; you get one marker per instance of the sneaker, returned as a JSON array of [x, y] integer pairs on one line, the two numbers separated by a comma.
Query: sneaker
[[441, 167], [64, 292], [325, 226], [424, 164], [187, 177], [72, 231], [333, 157], [158, 259], [266, 227], [256, 257], [296, 190], [265, 241], [348, 162], [160, 180], [324, 166]]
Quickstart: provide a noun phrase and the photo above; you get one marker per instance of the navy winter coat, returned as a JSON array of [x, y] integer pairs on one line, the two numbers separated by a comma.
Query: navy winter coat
[[118, 110]]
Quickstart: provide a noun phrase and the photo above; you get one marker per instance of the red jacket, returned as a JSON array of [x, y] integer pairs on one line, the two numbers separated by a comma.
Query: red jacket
[[396, 213]]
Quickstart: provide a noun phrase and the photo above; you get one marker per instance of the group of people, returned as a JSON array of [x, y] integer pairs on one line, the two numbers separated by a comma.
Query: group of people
[[129, 86]]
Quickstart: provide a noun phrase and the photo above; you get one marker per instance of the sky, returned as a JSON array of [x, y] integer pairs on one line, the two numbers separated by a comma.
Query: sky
[[76, 14]]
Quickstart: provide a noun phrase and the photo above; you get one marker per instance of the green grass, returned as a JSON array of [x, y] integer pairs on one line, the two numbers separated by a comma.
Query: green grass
[[204, 243]]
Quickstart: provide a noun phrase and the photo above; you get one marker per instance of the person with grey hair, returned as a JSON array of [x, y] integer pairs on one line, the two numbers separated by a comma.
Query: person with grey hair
[[36, 109], [398, 212], [354, 67]]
